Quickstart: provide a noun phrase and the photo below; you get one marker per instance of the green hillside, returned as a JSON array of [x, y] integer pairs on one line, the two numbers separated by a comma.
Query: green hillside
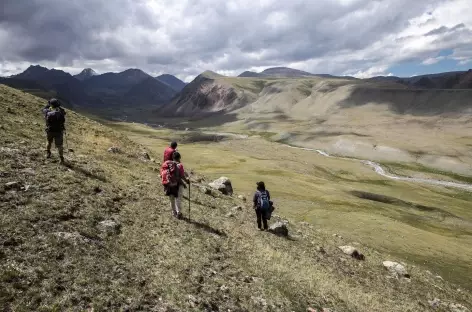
[[97, 235]]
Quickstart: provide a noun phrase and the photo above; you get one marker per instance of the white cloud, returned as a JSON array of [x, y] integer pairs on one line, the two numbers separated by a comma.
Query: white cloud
[[357, 37]]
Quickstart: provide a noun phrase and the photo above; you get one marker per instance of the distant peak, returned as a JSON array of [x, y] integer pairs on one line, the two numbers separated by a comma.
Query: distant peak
[[86, 73], [89, 71], [210, 74]]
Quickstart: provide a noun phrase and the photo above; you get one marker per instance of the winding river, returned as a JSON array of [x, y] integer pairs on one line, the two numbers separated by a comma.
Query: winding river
[[381, 171]]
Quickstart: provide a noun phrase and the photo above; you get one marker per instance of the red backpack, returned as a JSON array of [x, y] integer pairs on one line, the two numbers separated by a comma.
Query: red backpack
[[170, 173]]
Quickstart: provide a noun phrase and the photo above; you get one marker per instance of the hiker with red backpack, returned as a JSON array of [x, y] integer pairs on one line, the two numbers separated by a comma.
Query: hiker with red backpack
[[173, 177], [54, 115], [262, 205], [169, 151]]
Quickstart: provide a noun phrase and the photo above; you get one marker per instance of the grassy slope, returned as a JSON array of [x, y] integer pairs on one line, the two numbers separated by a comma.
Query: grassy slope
[[322, 195], [156, 262]]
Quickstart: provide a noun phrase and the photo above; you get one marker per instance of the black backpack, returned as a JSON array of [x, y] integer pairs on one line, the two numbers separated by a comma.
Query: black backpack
[[55, 120]]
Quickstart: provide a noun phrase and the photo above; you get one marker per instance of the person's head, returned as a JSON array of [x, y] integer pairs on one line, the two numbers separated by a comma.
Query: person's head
[[54, 103], [173, 145], [260, 186], [176, 156]]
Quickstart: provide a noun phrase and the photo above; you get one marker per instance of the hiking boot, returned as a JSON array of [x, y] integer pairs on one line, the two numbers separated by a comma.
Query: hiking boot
[[48, 154], [179, 216], [62, 159]]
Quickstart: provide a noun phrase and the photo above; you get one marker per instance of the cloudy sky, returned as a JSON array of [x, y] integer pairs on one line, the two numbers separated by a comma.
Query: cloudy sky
[[185, 37]]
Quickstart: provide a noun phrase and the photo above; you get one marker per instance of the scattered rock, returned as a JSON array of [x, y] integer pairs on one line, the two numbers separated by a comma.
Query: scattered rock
[[110, 226], [320, 249], [455, 307], [259, 301], [8, 150], [230, 215], [396, 269], [279, 228], [22, 142], [237, 208], [144, 156], [205, 190], [114, 150], [311, 310], [224, 288], [10, 111], [439, 277], [192, 301], [435, 303], [71, 150], [241, 197], [223, 185], [13, 185], [74, 237], [353, 252], [28, 171], [97, 189], [337, 235]]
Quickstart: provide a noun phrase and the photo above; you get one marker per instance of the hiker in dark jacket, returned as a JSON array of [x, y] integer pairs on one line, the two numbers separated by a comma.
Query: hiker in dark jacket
[[54, 115], [262, 205], [169, 151]]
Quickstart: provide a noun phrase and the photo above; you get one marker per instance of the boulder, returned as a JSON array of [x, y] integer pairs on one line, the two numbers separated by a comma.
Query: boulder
[[396, 269], [223, 185], [13, 185], [241, 197], [353, 252], [144, 156], [109, 226], [74, 237], [279, 228], [114, 150], [320, 249]]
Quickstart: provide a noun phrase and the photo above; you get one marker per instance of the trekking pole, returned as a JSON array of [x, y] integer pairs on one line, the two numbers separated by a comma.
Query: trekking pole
[[67, 145], [189, 201]]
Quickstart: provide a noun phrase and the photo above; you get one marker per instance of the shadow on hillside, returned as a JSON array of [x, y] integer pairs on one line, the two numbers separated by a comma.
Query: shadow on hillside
[[417, 102], [398, 202], [85, 172], [204, 227]]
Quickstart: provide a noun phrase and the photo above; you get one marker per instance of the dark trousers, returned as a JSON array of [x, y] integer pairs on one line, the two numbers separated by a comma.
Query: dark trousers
[[261, 219]]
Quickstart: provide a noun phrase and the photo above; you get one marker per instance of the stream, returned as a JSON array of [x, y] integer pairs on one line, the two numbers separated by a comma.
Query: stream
[[381, 171]]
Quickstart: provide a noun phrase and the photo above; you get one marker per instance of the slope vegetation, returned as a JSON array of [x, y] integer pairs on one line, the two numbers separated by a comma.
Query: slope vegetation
[[97, 234]]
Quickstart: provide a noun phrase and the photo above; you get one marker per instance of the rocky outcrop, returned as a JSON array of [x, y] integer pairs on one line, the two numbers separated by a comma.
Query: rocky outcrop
[[114, 150], [279, 228], [352, 251], [396, 269], [223, 185]]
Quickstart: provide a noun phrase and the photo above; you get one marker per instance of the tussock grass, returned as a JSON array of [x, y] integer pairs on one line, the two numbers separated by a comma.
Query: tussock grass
[[56, 257]]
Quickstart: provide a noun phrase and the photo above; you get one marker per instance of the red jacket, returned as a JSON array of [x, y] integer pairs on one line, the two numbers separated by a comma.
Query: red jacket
[[168, 153]]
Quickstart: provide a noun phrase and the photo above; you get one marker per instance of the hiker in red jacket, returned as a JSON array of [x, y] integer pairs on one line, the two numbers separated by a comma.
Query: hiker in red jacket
[[174, 183], [169, 151]]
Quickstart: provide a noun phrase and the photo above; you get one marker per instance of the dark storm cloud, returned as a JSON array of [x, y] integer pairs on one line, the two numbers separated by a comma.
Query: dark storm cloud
[[191, 36], [48, 29]]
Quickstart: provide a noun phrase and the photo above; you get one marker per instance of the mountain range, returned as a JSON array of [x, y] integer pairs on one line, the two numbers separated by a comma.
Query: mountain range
[[125, 93], [128, 90]]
